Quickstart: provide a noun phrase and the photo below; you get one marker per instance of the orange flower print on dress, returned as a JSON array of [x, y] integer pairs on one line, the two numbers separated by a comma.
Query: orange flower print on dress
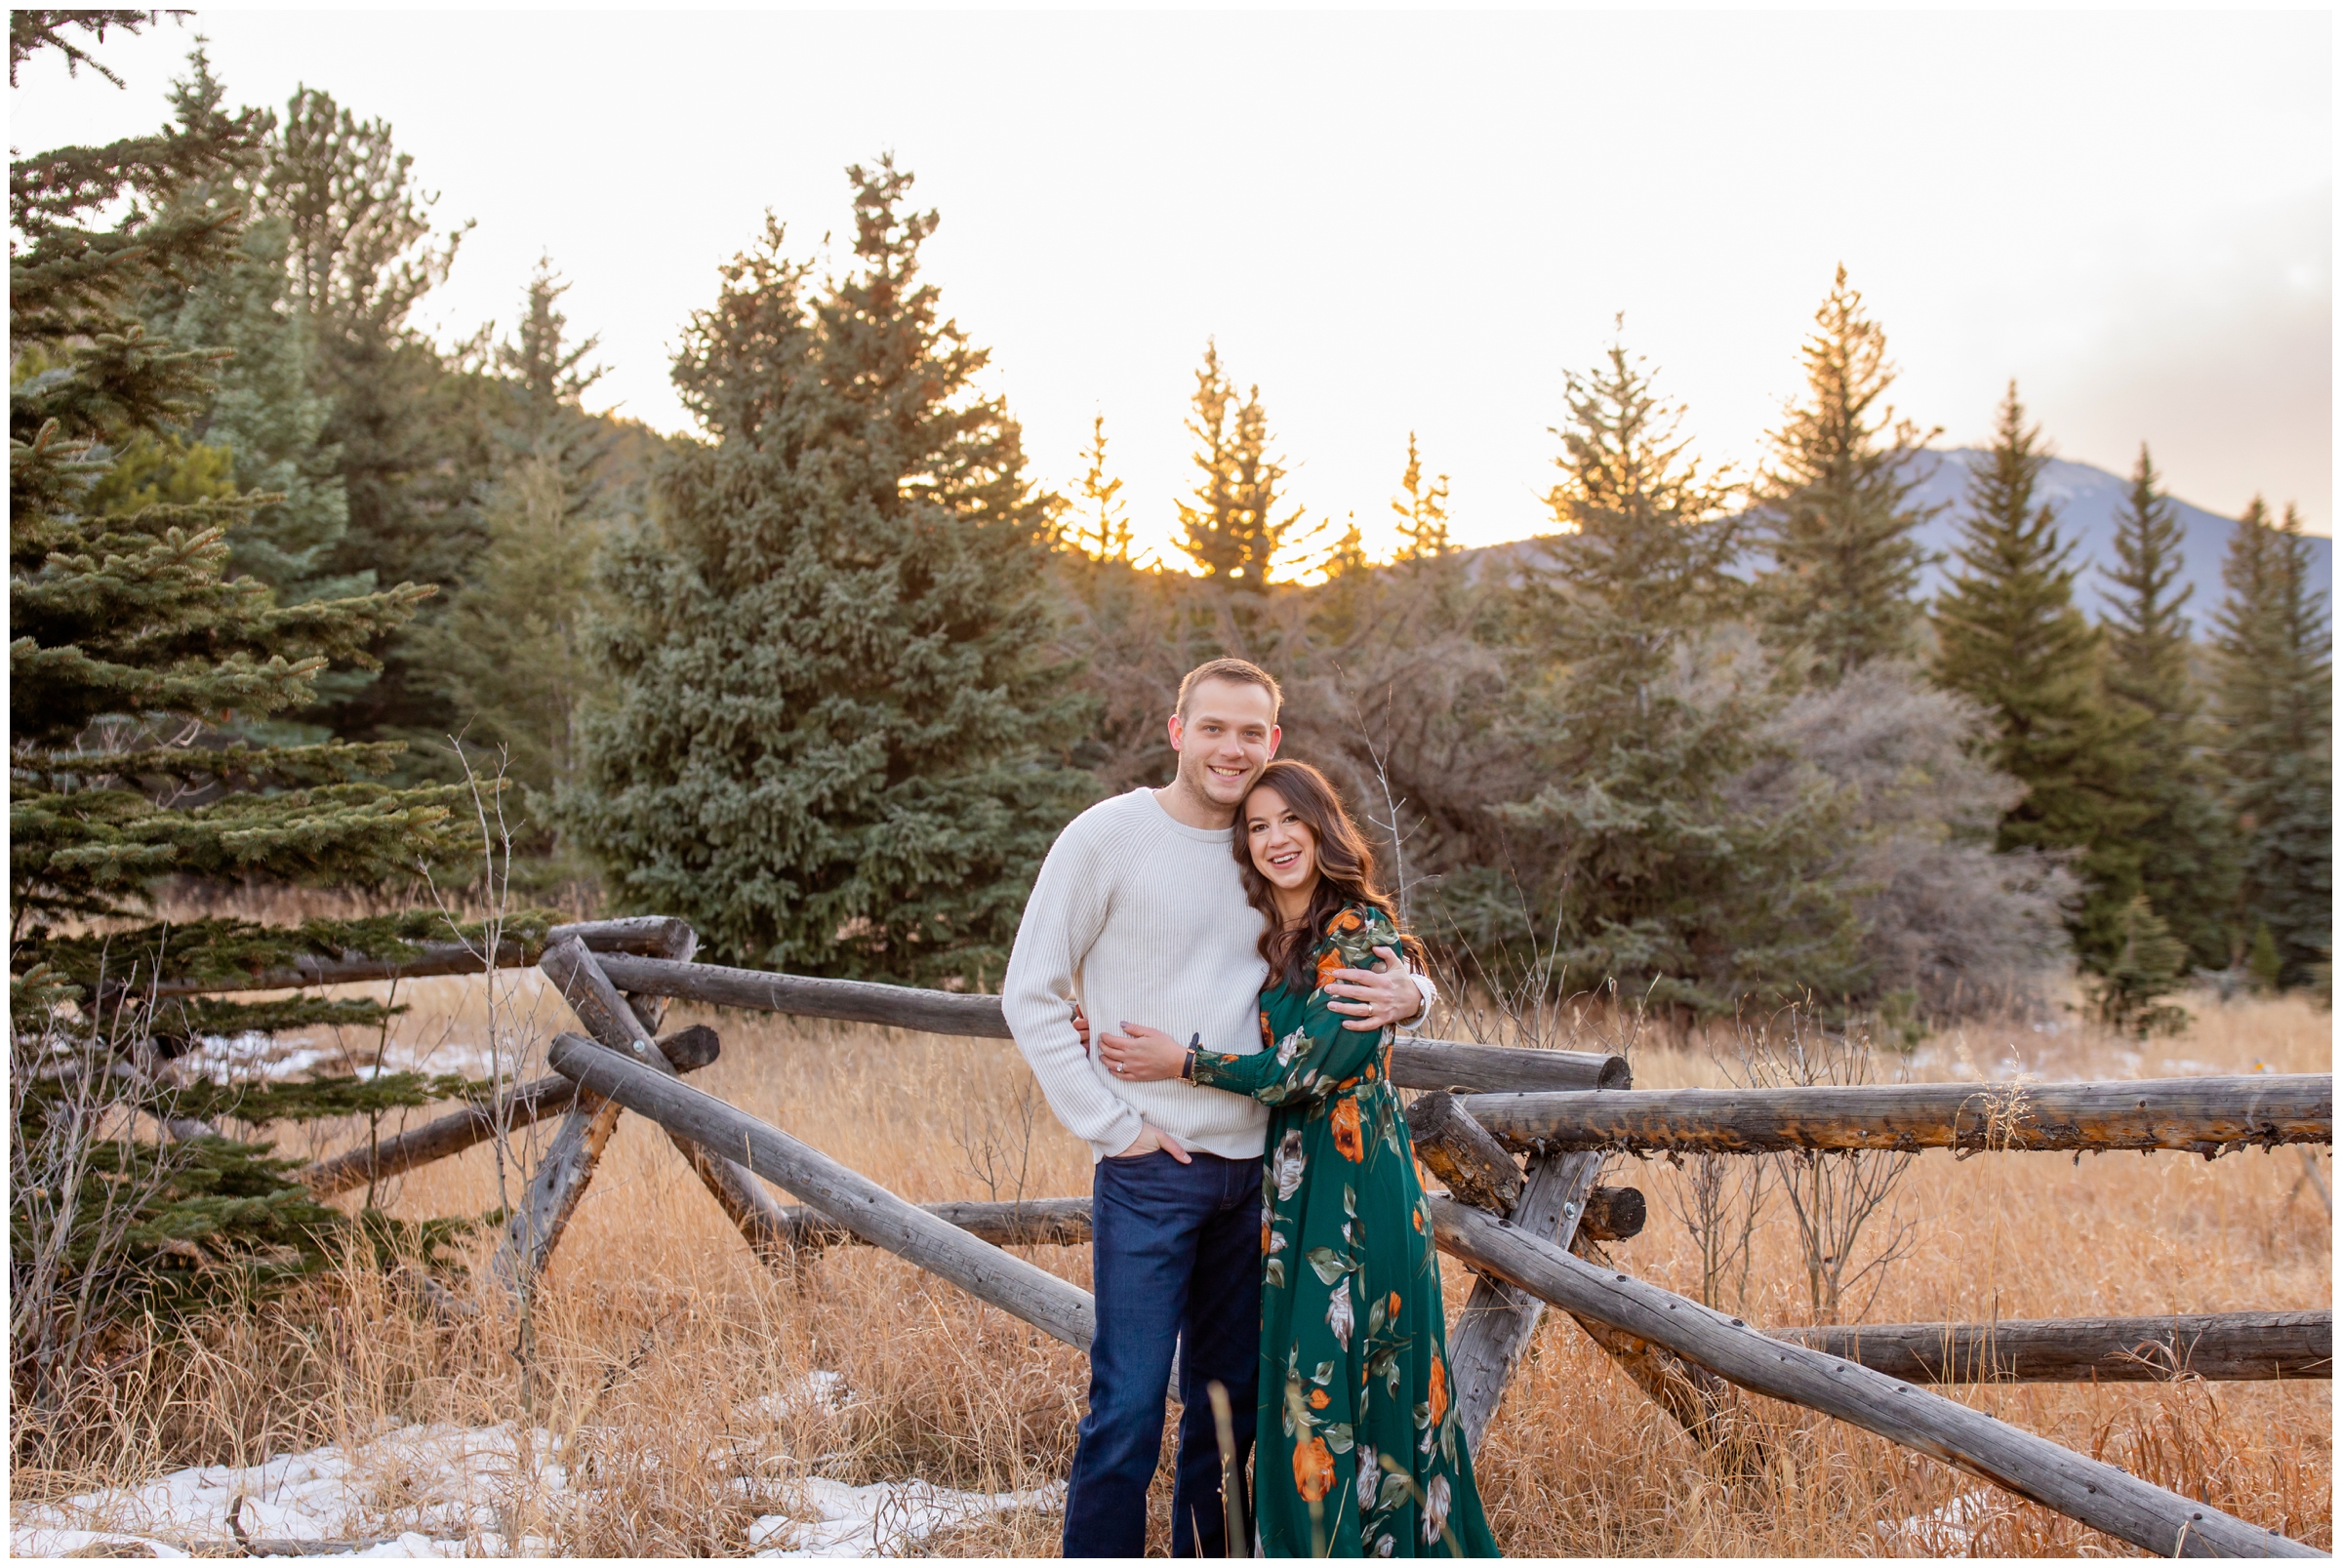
[[1268, 1034], [1394, 1304], [1312, 1469], [1438, 1390], [1327, 962], [1319, 1399], [1347, 920], [1348, 1138], [1265, 1228]]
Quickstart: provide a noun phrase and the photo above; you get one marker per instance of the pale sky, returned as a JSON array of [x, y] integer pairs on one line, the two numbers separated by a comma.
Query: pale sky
[[1397, 222]]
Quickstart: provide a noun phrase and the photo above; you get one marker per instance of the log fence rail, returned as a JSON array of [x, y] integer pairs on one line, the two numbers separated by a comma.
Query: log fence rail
[[1532, 1235]]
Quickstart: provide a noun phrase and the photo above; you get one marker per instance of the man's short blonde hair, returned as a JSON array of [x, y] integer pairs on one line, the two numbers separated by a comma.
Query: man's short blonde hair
[[1237, 673]]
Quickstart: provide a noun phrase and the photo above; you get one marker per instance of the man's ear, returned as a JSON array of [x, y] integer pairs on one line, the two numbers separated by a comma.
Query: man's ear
[[1178, 733], [1277, 732]]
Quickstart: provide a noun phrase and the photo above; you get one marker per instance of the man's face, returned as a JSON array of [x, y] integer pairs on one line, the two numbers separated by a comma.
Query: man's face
[[1224, 740]]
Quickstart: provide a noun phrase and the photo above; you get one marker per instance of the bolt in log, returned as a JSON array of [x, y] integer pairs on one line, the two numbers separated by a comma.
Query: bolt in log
[[2081, 1488]]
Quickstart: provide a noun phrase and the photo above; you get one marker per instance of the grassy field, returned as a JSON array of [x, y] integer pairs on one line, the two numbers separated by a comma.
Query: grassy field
[[658, 1336]]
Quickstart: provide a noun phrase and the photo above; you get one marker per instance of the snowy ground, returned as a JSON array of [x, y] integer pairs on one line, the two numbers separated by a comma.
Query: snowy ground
[[442, 1491]]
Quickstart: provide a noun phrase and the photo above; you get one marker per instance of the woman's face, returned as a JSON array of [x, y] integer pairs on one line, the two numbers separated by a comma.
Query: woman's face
[[1284, 849]]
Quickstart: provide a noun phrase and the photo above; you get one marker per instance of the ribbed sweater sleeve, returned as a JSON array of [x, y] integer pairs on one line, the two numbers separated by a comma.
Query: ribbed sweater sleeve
[[1062, 917]]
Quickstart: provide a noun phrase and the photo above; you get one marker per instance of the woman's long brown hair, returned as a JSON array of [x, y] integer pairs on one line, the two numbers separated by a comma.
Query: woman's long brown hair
[[1344, 870]]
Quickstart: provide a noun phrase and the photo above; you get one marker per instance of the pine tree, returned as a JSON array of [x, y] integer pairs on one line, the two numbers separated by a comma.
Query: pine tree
[[835, 744], [1835, 515], [412, 430], [1422, 511], [2186, 853], [265, 415], [1231, 530], [509, 652], [1104, 531], [2009, 637], [1644, 869], [2274, 710], [132, 648]]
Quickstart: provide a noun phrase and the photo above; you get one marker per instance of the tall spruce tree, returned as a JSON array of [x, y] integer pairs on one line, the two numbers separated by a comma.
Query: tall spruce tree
[[1229, 527], [132, 650], [1643, 870], [1835, 515], [837, 743], [2274, 708], [509, 652], [2009, 637], [2187, 851], [412, 432]]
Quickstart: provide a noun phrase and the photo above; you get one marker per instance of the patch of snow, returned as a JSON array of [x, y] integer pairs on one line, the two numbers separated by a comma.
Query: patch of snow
[[449, 1491], [242, 1058], [1950, 1530], [882, 1519], [819, 1389]]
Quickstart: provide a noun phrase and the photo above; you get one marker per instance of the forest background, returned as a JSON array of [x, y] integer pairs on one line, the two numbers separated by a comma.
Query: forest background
[[300, 594]]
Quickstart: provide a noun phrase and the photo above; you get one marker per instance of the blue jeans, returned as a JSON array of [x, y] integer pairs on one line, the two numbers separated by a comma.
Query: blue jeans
[[1176, 1255]]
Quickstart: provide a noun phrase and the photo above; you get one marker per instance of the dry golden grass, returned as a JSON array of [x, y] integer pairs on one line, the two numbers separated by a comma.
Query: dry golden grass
[[656, 1328]]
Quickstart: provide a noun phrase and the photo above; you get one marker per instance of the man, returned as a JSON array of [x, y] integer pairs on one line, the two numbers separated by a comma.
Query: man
[[1139, 913]]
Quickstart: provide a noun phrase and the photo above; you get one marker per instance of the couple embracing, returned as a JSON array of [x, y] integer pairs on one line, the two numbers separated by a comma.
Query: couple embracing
[[1255, 1199]]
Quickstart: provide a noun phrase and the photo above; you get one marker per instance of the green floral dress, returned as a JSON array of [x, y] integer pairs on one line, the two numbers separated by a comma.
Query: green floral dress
[[1354, 1334]]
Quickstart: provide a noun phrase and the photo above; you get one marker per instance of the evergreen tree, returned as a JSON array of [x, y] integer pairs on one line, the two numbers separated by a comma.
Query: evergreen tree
[[2010, 638], [511, 652], [1231, 530], [2187, 852], [411, 431], [1103, 533], [131, 647], [2274, 710], [1643, 870], [836, 745], [1835, 514], [265, 418], [1422, 512]]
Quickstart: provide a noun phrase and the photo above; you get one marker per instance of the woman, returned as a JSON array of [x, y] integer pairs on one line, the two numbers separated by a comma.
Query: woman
[[1354, 1334]]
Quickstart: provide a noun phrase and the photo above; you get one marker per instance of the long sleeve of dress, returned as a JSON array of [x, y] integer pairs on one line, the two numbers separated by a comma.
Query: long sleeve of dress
[[1320, 1055]]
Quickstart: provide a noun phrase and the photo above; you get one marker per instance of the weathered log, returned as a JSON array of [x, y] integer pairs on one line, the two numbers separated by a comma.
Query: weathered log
[[853, 1001], [557, 1184], [1475, 1166], [855, 1201], [1414, 1063], [655, 935], [1499, 1317], [1464, 1068], [451, 1134], [1613, 1214], [2199, 1115], [611, 1020], [1030, 1223], [1712, 1412], [2096, 1494], [2219, 1346]]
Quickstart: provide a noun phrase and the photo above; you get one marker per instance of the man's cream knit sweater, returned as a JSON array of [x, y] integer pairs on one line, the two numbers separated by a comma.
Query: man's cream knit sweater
[[1143, 919]]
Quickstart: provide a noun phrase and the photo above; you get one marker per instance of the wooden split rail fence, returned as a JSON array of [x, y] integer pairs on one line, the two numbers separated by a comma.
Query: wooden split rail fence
[[1518, 1138]]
